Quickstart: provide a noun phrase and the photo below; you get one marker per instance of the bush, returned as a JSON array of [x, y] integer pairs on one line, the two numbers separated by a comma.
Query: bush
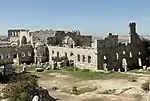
[[86, 70], [59, 59], [73, 69], [145, 86], [21, 87]]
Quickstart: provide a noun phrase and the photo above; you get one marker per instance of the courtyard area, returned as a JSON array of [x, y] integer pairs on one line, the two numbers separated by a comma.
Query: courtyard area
[[72, 84], [92, 86]]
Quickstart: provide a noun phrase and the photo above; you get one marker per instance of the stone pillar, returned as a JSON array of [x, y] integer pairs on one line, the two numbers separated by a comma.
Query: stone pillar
[[52, 63], [18, 62], [35, 55]]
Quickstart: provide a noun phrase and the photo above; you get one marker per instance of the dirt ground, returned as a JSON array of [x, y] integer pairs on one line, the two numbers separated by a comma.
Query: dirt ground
[[94, 90], [124, 90]]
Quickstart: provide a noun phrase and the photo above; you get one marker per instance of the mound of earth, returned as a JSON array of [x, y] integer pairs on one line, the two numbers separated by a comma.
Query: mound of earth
[[23, 87]]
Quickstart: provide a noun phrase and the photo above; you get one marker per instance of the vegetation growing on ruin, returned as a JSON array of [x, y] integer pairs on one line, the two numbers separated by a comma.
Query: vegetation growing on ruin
[[140, 71], [84, 74], [20, 87], [59, 59]]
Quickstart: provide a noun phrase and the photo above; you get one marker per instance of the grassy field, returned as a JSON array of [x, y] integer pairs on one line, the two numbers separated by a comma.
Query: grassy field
[[140, 72], [84, 74], [88, 75]]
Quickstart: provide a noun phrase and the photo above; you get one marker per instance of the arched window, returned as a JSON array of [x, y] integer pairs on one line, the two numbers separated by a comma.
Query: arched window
[[65, 54], [8, 55], [78, 57], [29, 53], [124, 52], [130, 54], [104, 57], [83, 60], [139, 53], [52, 52], [89, 59], [117, 56], [1, 56], [71, 54], [57, 54], [23, 54], [14, 55], [24, 40]]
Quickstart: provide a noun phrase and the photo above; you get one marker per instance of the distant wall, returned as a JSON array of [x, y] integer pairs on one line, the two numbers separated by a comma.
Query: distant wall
[[6, 55]]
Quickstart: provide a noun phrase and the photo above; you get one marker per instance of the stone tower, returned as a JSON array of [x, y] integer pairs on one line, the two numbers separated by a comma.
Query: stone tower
[[132, 28], [133, 36]]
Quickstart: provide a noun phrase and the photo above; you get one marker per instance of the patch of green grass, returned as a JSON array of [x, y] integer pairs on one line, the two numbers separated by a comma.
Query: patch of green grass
[[31, 68], [100, 75], [19, 68], [140, 72], [89, 75]]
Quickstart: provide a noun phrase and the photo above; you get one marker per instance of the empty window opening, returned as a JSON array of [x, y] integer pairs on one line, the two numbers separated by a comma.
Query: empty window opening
[[71, 54], [83, 60], [57, 54], [124, 64], [8, 56], [15, 56], [52, 52], [29, 53], [117, 56], [1, 56], [124, 52], [130, 54], [65, 54], [105, 66], [89, 59], [78, 57], [72, 46], [52, 58], [105, 57], [139, 61], [139, 53], [23, 54]]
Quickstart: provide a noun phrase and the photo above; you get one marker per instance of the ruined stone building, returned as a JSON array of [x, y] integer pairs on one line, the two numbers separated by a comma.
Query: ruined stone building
[[83, 51]]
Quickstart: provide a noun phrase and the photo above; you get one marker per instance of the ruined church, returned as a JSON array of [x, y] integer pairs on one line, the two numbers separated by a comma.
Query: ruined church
[[85, 52]]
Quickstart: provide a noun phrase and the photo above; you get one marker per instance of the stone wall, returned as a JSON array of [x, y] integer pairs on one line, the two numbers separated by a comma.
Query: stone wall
[[42, 54], [6, 55], [25, 54], [24, 38], [83, 58]]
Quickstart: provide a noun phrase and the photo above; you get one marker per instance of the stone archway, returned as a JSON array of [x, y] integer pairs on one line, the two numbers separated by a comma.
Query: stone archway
[[23, 40], [124, 64], [69, 42]]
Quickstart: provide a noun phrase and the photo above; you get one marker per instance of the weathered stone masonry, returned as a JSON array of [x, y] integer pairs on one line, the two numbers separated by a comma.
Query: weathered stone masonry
[[84, 51]]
